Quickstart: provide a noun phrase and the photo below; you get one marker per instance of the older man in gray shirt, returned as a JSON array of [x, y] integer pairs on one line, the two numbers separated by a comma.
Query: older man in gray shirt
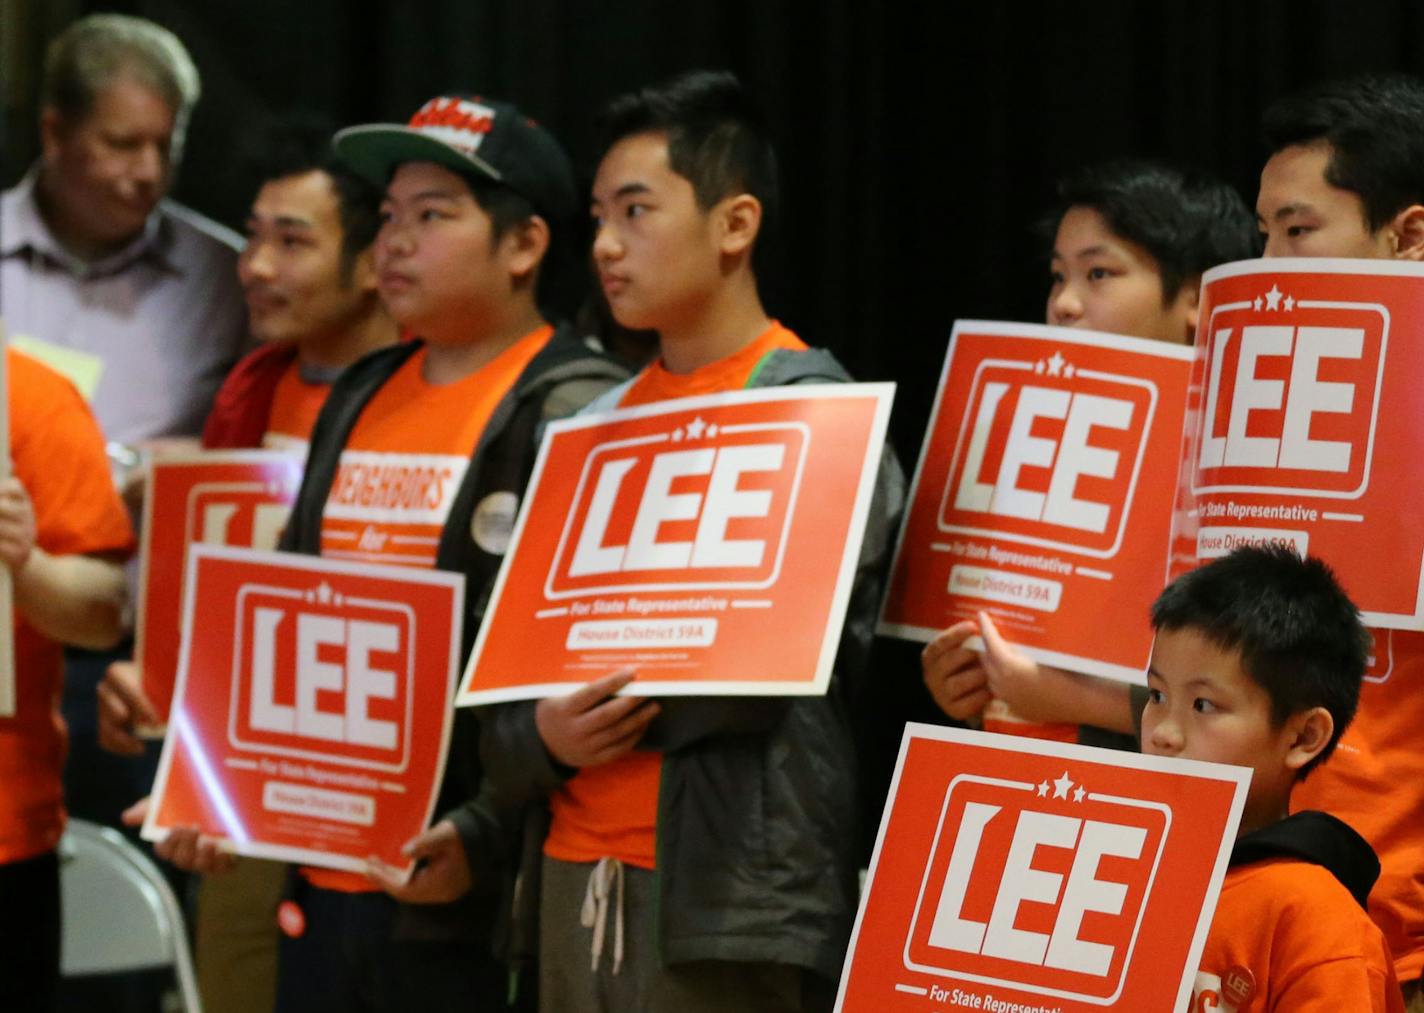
[[132, 295], [139, 293]]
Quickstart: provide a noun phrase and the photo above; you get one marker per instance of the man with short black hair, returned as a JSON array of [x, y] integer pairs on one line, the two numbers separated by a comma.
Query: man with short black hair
[[1345, 178], [309, 278]]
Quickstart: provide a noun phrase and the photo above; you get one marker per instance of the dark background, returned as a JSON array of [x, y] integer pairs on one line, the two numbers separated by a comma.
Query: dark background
[[919, 141]]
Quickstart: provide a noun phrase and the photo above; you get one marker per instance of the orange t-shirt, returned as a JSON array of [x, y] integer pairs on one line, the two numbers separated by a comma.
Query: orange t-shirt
[[1304, 944], [612, 810], [1374, 781], [295, 405], [58, 453], [399, 472]]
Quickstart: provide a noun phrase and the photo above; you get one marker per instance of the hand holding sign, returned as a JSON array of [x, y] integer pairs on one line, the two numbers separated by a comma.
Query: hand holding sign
[[954, 674], [592, 725], [443, 875], [123, 709], [17, 524]]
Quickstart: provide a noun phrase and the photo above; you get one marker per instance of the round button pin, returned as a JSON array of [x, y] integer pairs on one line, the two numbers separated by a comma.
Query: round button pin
[[1237, 985]]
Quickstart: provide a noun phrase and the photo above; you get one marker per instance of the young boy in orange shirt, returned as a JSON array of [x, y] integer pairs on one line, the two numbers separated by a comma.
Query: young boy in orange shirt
[[1258, 662], [719, 831]]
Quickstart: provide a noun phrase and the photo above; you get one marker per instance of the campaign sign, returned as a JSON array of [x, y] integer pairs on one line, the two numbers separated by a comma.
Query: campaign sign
[[312, 710], [1043, 874], [1307, 422], [1044, 493], [708, 542], [221, 497]]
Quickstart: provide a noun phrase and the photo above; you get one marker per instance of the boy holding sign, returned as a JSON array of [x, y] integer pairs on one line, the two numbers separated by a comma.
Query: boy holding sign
[[1258, 663], [1130, 244], [723, 843], [1346, 179]]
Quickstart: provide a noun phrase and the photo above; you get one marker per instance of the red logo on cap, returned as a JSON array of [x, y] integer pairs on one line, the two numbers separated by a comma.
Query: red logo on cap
[[455, 113]]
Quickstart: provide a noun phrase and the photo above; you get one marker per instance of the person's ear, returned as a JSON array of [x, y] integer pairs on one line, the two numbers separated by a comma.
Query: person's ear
[[1307, 735], [1189, 304], [525, 246], [52, 131], [738, 221], [1407, 230], [363, 271]]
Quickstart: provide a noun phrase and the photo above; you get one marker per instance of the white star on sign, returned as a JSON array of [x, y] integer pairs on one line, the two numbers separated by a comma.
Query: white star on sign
[[323, 592], [1055, 364], [1043, 789], [1078, 794], [1257, 304], [695, 427], [1061, 786], [1273, 298], [1290, 303], [677, 435], [1068, 371], [1038, 366]]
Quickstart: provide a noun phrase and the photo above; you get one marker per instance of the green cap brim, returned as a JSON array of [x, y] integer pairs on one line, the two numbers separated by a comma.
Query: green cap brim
[[375, 150]]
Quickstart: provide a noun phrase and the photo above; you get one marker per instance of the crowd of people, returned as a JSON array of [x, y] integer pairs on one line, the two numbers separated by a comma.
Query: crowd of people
[[399, 294]]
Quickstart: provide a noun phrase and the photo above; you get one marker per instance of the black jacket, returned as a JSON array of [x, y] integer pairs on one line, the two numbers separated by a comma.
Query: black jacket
[[563, 377], [757, 809]]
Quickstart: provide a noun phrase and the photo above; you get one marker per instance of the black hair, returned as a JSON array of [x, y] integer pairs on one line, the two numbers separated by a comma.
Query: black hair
[[716, 135], [1375, 128], [300, 143], [1298, 635], [558, 289], [1188, 221]]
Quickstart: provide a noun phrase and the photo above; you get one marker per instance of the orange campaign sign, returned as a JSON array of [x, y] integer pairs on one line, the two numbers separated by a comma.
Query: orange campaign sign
[[1044, 493], [1026, 875], [219, 497], [312, 710], [1306, 422], [708, 542]]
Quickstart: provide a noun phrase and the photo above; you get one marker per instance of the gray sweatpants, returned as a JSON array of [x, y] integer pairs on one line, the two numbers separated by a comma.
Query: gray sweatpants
[[568, 983]]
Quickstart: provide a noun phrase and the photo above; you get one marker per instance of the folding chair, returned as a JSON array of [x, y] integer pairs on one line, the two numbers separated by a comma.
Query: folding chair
[[119, 912]]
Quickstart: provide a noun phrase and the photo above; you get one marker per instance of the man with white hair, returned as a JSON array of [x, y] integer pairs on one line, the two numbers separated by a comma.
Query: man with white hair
[[134, 297], [140, 292]]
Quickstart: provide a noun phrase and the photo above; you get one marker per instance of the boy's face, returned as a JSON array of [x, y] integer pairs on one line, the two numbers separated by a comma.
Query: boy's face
[[440, 272], [656, 250], [1103, 282], [291, 267], [1302, 215], [1202, 705]]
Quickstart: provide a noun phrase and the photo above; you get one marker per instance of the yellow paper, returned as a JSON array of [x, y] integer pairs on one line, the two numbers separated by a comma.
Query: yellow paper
[[82, 369]]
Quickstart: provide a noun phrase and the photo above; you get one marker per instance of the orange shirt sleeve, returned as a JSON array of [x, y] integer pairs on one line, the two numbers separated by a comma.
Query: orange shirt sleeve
[[58, 453]]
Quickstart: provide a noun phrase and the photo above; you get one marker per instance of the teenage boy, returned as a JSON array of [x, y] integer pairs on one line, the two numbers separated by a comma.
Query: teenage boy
[[1131, 241], [1346, 179], [310, 283], [1258, 662], [476, 196], [724, 843]]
